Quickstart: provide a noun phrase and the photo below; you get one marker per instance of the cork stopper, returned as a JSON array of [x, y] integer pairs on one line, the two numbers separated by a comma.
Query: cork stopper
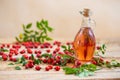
[[86, 12]]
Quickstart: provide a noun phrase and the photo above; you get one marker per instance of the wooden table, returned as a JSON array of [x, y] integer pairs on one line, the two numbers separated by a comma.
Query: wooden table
[[104, 74]]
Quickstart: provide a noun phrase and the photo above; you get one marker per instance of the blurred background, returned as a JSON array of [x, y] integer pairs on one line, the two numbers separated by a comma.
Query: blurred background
[[63, 16]]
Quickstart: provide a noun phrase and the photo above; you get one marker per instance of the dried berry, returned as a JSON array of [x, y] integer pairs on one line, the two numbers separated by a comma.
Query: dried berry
[[57, 68], [37, 67]]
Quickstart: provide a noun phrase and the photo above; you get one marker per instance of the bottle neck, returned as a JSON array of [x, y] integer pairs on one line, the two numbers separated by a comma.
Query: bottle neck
[[86, 22]]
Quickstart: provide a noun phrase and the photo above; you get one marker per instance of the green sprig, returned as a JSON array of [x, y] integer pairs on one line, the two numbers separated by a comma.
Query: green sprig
[[82, 69], [39, 35]]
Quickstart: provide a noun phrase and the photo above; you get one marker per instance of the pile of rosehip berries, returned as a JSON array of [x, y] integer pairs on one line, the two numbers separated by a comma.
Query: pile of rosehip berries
[[26, 49]]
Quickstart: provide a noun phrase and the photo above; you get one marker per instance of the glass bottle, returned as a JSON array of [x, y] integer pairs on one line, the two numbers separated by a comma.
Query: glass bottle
[[84, 42]]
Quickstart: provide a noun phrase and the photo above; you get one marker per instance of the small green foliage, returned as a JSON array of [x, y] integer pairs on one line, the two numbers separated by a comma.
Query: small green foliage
[[114, 63], [3, 50], [17, 68], [10, 64], [69, 70], [46, 55], [82, 68], [0, 58], [24, 62], [67, 48], [102, 49], [37, 61], [39, 35], [32, 57]]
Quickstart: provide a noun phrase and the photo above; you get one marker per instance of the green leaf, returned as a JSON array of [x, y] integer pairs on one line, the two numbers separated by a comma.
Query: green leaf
[[3, 50], [42, 40], [10, 64], [22, 59], [39, 26], [64, 47], [46, 55], [25, 39], [103, 52], [89, 67], [0, 58], [108, 65], [36, 33], [49, 29], [26, 31], [17, 68], [23, 63], [86, 73], [37, 61], [25, 35], [46, 23], [32, 57], [103, 46], [29, 25], [17, 39], [23, 27], [45, 31], [48, 38], [69, 70], [42, 21], [69, 49]]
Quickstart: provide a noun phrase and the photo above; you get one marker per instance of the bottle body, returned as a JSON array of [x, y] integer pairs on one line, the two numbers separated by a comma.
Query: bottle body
[[84, 44]]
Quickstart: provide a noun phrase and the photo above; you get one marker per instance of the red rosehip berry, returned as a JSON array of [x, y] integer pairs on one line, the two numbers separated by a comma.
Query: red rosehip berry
[[107, 62], [29, 51], [30, 58], [3, 45], [4, 57], [57, 68], [50, 60], [26, 66], [58, 57], [25, 56], [37, 67], [57, 49], [48, 51], [58, 60], [10, 58], [8, 45], [44, 60], [68, 43], [50, 66], [31, 65], [41, 46], [54, 62], [16, 52], [10, 55], [51, 46], [38, 55], [14, 59], [54, 52], [77, 63], [35, 45], [47, 68], [30, 61], [39, 52], [98, 47], [94, 62], [101, 60], [1, 53], [22, 52], [36, 52], [60, 52]]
